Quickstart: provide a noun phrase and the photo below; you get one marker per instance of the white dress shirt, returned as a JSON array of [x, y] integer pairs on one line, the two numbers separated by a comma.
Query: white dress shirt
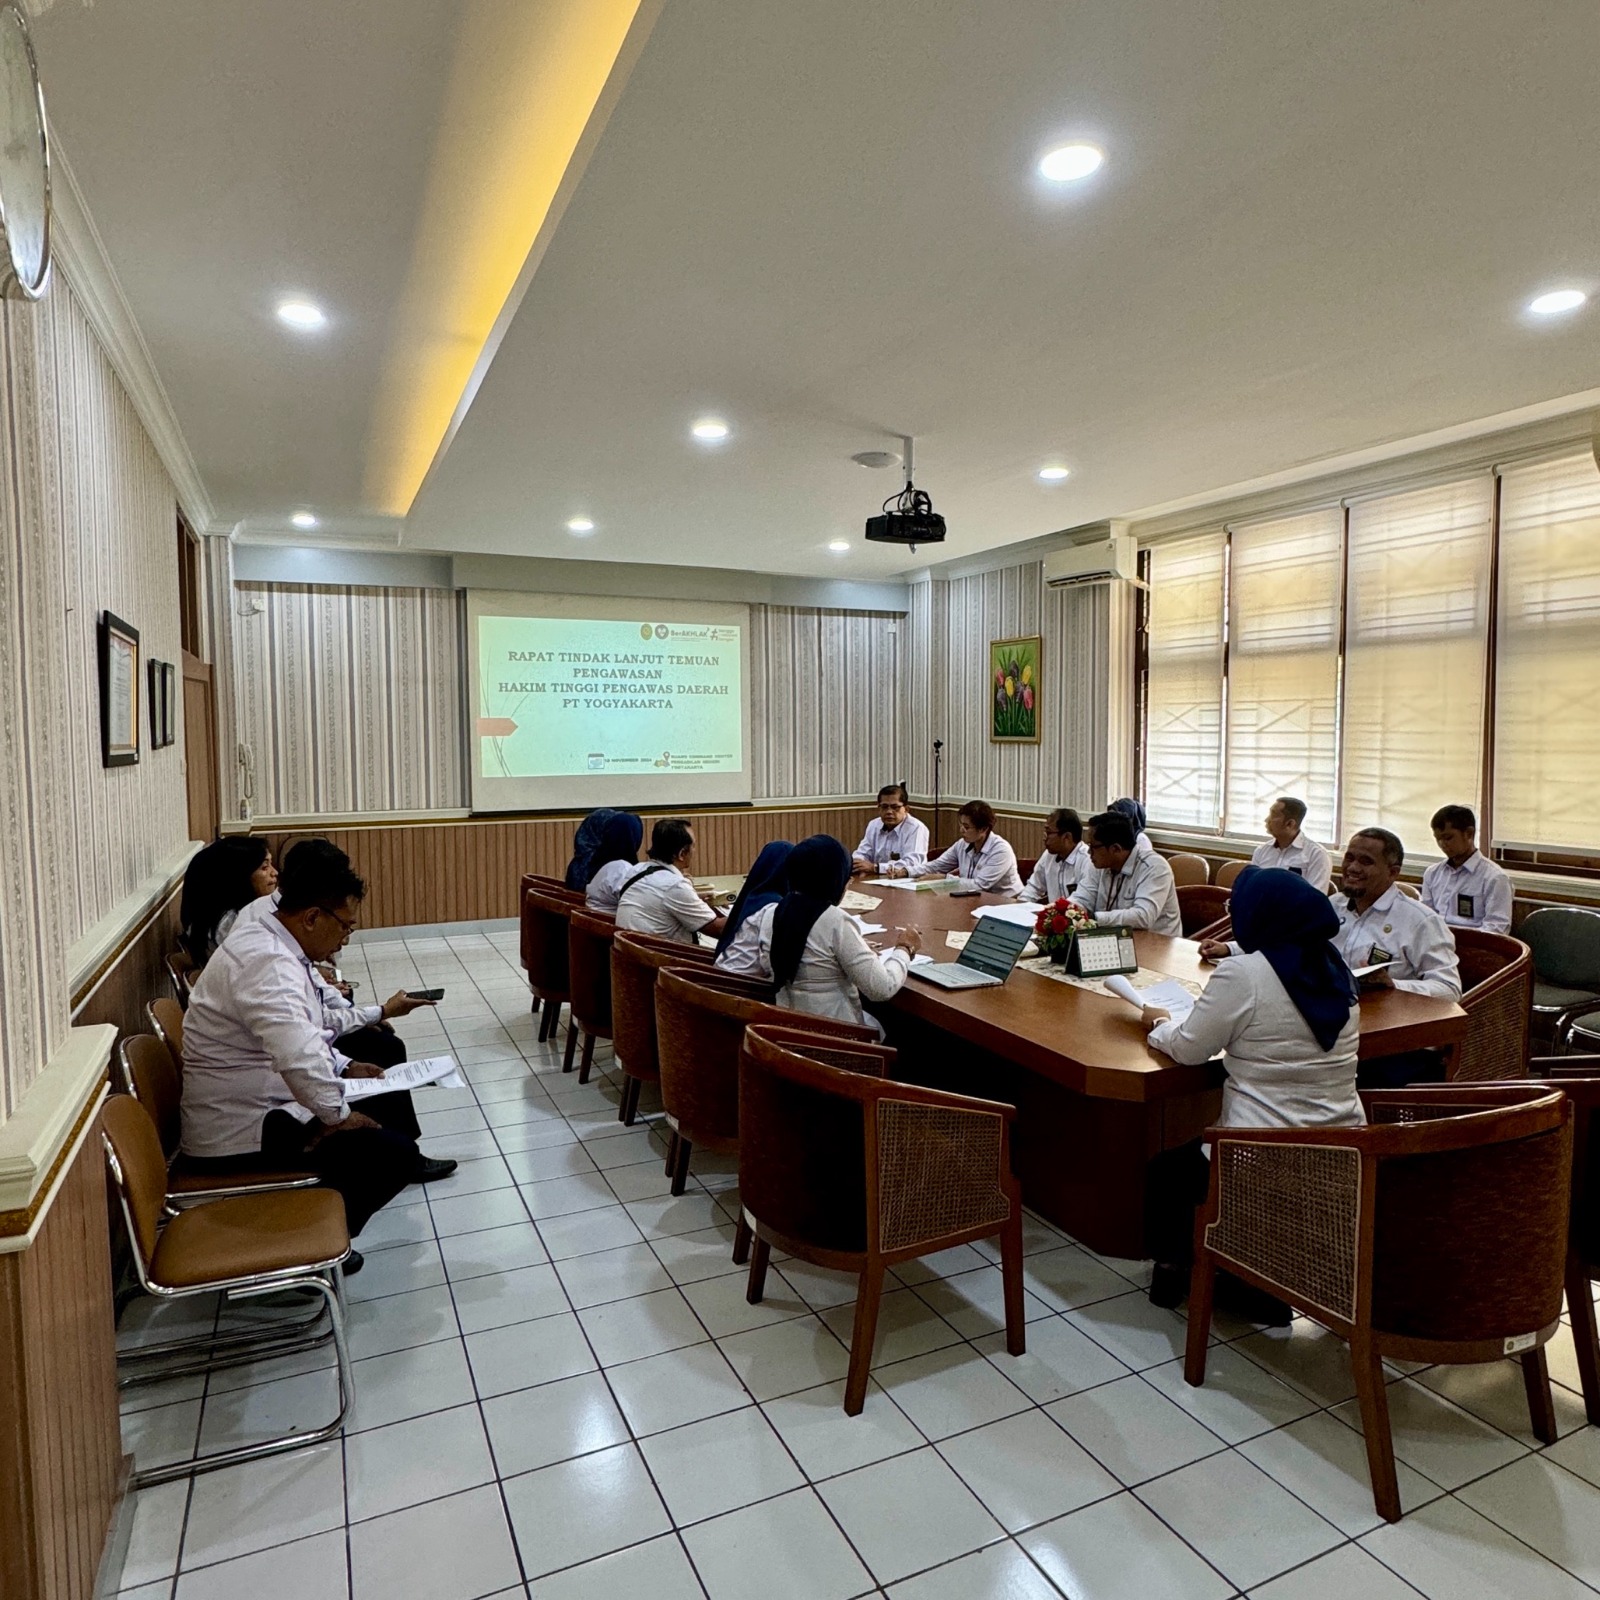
[[1057, 877], [1278, 1075], [1141, 895], [993, 867], [837, 967], [1402, 930], [606, 885], [342, 1015], [1477, 894], [1304, 857], [257, 910], [255, 1040], [663, 903], [906, 843]]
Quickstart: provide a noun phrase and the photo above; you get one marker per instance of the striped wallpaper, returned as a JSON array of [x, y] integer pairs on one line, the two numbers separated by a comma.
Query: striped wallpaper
[[87, 522]]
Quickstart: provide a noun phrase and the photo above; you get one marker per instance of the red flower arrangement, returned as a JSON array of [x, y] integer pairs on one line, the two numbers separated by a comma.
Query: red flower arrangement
[[1055, 925]]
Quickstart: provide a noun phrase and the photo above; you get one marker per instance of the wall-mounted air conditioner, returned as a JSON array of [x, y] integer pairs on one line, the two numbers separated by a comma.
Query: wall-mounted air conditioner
[[1105, 553]]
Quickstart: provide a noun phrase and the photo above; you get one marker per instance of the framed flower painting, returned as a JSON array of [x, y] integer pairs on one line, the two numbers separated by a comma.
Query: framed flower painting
[[1014, 689]]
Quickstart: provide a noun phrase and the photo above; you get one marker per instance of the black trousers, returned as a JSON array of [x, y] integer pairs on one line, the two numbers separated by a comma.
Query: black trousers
[[368, 1166], [1401, 1071], [377, 1044]]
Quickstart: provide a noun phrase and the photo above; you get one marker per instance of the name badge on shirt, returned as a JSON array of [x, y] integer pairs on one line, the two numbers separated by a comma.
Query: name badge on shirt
[[1297, 872], [1377, 955], [1464, 905]]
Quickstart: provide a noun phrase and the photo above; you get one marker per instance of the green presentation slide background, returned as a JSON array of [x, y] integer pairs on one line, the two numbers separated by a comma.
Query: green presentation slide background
[[584, 697]]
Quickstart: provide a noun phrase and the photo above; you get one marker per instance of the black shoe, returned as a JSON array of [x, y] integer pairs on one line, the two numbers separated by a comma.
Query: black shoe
[[1250, 1304], [1169, 1286], [428, 1169], [354, 1262]]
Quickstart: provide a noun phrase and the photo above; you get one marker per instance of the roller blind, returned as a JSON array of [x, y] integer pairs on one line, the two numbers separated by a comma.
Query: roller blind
[[1416, 644], [1183, 704], [1283, 668], [1547, 703]]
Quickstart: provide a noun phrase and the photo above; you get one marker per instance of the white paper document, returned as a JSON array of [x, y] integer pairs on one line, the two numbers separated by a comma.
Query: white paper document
[[1169, 995], [860, 902], [408, 1075], [871, 927], [1024, 915]]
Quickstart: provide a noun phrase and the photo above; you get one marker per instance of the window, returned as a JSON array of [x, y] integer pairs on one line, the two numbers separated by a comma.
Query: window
[[1547, 682]]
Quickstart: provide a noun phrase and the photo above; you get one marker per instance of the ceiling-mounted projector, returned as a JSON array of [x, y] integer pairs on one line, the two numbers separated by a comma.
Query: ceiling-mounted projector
[[907, 518]]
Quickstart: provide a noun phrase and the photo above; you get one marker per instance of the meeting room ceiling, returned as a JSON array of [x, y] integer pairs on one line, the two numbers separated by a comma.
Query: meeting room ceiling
[[1315, 231]]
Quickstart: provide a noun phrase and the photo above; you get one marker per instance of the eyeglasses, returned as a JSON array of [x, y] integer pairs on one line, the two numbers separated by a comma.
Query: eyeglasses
[[348, 926]]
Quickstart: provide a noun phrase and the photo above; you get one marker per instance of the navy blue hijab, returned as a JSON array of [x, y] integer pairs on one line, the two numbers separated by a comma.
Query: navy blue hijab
[[1132, 810], [584, 844], [620, 839], [765, 886], [819, 873], [1292, 924]]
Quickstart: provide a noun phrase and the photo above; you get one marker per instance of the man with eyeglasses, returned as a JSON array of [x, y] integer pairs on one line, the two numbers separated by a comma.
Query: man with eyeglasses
[[262, 1083], [1064, 863], [894, 838]]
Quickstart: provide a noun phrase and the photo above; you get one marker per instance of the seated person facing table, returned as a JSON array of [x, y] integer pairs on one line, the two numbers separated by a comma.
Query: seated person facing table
[[1282, 1015], [262, 1085], [613, 861], [738, 949], [658, 897], [1133, 810], [585, 842], [219, 884], [812, 950], [894, 837], [981, 857], [1466, 888], [1290, 849], [1064, 863], [1129, 887]]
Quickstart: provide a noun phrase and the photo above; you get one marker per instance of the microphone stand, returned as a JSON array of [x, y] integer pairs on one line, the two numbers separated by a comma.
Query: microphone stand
[[938, 757]]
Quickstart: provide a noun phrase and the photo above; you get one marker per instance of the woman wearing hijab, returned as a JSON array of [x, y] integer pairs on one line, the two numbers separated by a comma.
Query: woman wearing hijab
[[1283, 1016], [220, 881], [813, 951], [614, 860], [739, 950], [584, 844], [1133, 810]]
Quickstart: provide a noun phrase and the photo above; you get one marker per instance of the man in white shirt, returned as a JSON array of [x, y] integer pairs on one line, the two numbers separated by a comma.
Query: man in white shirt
[[658, 897], [262, 1085], [1289, 848], [1380, 923], [893, 837], [1064, 863], [1129, 887], [1466, 888], [981, 857]]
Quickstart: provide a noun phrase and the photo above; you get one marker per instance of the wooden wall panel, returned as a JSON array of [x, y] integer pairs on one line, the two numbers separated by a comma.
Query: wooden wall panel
[[468, 870], [136, 975], [60, 1438]]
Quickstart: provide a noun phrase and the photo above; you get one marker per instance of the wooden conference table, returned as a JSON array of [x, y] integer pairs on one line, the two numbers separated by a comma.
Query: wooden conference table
[[1094, 1102]]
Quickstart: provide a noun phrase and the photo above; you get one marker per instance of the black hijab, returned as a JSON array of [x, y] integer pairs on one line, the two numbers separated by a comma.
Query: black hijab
[[765, 886], [584, 844], [819, 873]]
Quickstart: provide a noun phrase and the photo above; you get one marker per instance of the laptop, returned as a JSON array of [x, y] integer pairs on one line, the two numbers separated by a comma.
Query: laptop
[[986, 962]]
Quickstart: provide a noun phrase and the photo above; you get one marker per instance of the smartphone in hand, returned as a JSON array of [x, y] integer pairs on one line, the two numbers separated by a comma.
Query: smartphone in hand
[[425, 994]]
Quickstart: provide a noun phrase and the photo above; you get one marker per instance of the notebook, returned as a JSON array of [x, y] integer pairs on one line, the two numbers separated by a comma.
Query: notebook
[[986, 961]]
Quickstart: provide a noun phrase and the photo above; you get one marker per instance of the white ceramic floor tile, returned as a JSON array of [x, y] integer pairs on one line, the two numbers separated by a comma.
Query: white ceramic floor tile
[[1026, 1470], [491, 1250], [907, 1326], [646, 1325], [398, 1224], [1307, 1357], [242, 1509], [941, 1264], [580, 1509], [591, 1280], [468, 1213], [665, 1215], [528, 1353], [1325, 1464], [691, 1257], [710, 1467], [974, 1303], [1347, 1573], [265, 1411], [948, 1391], [999, 1572], [1068, 1277], [1060, 1360], [1449, 1552], [162, 1435], [560, 1197], [786, 1357], [720, 1303], [311, 1569], [1493, 1391], [785, 1549], [549, 1161], [1134, 1430], [409, 1383], [463, 1119], [1238, 1400], [1440, 1440], [400, 1268], [1548, 1507], [908, 1513], [426, 1458], [820, 1287], [682, 1386], [1580, 1453], [826, 1442], [532, 1428], [1118, 1550], [1248, 1527], [1137, 1333], [517, 1296], [634, 1148], [586, 1232], [477, 1145], [156, 1533], [453, 1549], [471, 1177], [657, 1568]]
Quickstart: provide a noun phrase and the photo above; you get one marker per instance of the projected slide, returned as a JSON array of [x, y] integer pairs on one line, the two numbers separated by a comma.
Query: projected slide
[[575, 706], [562, 697]]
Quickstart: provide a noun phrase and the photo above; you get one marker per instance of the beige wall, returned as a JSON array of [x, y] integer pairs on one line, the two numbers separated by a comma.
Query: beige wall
[[86, 523]]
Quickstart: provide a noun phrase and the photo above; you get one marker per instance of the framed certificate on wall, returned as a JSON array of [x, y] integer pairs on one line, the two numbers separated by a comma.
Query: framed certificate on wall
[[119, 691]]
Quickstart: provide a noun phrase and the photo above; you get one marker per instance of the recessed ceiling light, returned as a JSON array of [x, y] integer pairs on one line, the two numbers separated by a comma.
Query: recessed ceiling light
[[1054, 474], [839, 546], [303, 519], [580, 525], [1069, 162], [710, 430], [302, 314], [1557, 301]]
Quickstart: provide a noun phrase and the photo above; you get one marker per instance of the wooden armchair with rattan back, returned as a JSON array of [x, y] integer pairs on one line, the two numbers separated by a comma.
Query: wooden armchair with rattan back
[[843, 1167], [545, 914], [1437, 1234], [636, 958], [534, 880], [1497, 996], [589, 935]]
